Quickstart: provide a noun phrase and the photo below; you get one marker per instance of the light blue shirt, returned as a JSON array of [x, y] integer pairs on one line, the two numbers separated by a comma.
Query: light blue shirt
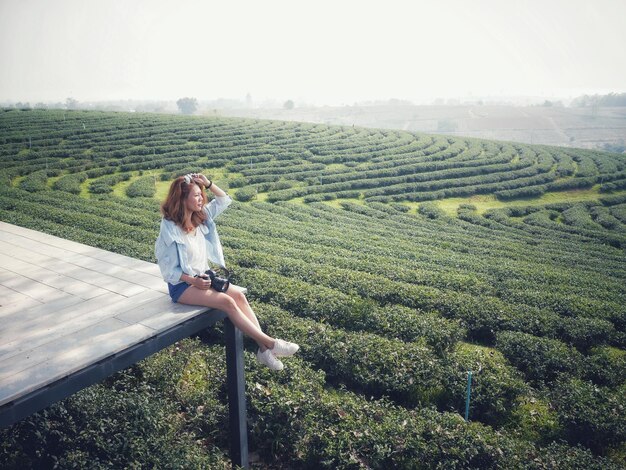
[[170, 249]]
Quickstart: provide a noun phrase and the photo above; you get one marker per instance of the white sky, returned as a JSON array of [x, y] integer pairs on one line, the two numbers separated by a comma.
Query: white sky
[[319, 51]]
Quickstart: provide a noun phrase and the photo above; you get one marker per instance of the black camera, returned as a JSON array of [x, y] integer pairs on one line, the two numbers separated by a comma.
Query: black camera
[[218, 283]]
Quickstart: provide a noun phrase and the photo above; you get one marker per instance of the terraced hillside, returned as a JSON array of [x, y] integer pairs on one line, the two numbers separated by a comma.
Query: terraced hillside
[[371, 250]]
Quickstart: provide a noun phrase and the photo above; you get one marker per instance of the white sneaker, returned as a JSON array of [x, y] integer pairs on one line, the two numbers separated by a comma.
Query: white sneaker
[[267, 357], [284, 348]]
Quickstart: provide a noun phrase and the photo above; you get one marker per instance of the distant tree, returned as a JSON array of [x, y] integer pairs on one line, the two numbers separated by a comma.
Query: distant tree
[[288, 104], [187, 105], [617, 147], [249, 100], [71, 103], [612, 99], [41, 106]]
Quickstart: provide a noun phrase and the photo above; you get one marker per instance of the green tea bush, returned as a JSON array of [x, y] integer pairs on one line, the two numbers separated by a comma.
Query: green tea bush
[[37, 180], [364, 278], [408, 372], [590, 414], [400, 207], [585, 332], [238, 182], [495, 384], [143, 186], [534, 419], [541, 359], [246, 194], [104, 427], [70, 183], [430, 210], [338, 309], [296, 422], [606, 365], [105, 184]]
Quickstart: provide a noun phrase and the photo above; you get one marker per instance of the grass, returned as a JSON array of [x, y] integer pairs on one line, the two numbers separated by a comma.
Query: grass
[[485, 202], [449, 205], [337, 202], [162, 187]]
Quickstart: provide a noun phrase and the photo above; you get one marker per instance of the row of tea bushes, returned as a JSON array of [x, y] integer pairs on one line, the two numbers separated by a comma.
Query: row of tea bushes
[[78, 140], [177, 398]]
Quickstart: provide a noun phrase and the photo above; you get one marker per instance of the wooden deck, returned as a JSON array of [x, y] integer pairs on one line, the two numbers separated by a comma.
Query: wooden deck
[[64, 305], [71, 315]]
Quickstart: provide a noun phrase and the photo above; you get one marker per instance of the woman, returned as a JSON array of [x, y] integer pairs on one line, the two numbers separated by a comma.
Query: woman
[[187, 240]]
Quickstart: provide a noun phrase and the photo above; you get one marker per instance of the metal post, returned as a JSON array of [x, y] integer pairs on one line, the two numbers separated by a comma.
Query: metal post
[[236, 395], [467, 400]]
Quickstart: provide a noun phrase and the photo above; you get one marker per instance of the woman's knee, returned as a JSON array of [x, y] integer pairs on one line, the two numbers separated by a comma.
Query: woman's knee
[[236, 295], [227, 303]]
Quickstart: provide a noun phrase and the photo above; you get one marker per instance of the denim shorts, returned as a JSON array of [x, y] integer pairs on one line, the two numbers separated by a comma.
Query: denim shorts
[[176, 290]]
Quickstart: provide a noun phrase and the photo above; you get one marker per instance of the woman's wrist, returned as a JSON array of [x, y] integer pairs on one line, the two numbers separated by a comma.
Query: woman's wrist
[[187, 278]]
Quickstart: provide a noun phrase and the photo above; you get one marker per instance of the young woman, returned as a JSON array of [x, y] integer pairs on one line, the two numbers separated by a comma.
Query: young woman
[[187, 241]]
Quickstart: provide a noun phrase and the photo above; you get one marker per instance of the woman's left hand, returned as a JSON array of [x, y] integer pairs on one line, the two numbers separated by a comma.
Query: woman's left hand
[[200, 178]]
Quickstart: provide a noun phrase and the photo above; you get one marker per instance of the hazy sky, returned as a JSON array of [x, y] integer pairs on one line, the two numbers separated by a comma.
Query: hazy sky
[[318, 51]]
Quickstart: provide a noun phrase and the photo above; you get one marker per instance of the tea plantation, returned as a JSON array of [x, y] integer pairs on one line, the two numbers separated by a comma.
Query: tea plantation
[[347, 244]]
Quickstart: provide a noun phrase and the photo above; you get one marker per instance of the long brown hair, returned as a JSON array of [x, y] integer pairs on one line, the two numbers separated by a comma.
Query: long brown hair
[[174, 208]]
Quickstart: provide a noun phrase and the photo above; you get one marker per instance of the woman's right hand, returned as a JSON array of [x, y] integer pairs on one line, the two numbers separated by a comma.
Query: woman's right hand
[[202, 283]]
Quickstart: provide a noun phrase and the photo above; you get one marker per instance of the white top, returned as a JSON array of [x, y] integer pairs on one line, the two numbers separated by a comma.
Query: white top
[[168, 252], [196, 248]]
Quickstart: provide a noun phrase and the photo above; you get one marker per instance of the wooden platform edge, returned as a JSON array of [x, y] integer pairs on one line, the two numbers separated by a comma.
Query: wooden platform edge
[[12, 412], [24, 406]]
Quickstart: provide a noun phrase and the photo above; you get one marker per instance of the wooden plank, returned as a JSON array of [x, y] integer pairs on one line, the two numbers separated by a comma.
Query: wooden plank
[[26, 404], [108, 304], [96, 347], [9, 296], [47, 328], [163, 319], [118, 259], [50, 278], [36, 246], [12, 301], [131, 276], [16, 231], [26, 311], [87, 338], [71, 247], [96, 278], [57, 260], [89, 275], [30, 288], [161, 306], [16, 251]]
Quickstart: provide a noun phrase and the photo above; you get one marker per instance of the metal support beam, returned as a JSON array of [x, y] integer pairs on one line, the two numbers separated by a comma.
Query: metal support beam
[[236, 395]]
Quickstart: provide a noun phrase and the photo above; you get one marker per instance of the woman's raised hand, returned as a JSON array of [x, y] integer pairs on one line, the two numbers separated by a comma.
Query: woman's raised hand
[[200, 178]]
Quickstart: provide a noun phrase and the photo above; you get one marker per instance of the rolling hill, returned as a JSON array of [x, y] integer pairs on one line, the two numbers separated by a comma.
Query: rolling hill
[[399, 261]]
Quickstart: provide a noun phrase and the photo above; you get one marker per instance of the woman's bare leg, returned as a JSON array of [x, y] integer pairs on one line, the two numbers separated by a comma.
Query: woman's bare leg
[[219, 300], [241, 301], [240, 298]]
